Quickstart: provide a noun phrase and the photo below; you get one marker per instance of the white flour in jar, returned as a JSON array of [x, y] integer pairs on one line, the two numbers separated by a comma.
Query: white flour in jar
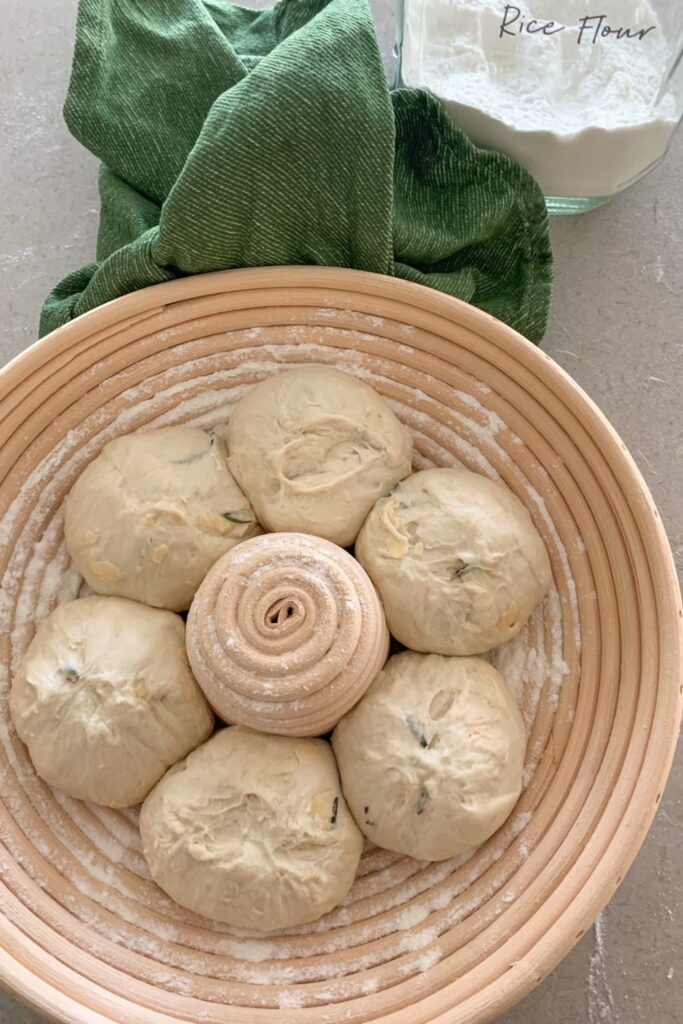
[[566, 87]]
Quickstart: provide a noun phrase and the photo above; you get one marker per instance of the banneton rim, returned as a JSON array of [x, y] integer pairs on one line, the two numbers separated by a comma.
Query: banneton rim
[[85, 934]]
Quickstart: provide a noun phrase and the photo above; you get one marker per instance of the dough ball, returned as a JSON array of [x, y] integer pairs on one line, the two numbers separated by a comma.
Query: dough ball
[[313, 449], [431, 758], [105, 700], [253, 830], [458, 563], [152, 513]]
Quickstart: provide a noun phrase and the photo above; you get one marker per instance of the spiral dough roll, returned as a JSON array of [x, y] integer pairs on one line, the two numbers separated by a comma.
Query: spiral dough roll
[[285, 634]]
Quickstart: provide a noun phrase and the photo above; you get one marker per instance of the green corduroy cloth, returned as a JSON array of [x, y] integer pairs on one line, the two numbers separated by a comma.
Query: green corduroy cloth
[[239, 138]]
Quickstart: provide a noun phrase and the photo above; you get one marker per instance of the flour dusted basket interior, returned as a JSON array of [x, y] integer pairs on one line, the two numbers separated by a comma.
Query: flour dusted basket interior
[[85, 935]]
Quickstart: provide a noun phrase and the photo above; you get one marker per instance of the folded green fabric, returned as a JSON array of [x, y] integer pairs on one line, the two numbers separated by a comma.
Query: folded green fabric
[[238, 138]]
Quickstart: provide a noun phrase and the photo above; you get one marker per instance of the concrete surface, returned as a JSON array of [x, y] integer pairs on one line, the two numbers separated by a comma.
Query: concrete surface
[[617, 327]]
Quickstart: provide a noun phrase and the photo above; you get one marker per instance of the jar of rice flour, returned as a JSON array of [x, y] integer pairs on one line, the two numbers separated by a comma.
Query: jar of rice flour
[[585, 95]]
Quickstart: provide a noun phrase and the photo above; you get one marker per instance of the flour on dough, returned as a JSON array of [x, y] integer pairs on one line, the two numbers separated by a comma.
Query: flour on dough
[[431, 758], [458, 562], [152, 513], [253, 830], [105, 700], [313, 448]]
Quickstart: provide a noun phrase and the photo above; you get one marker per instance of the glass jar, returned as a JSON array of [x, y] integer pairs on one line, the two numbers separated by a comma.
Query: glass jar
[[585, 95]]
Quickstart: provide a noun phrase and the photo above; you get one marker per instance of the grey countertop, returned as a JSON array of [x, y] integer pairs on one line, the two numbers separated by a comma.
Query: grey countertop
[[617, 327]]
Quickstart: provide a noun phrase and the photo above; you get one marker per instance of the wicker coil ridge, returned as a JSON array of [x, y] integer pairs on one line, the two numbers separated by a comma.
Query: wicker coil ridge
[[285, 634], [85, 935]]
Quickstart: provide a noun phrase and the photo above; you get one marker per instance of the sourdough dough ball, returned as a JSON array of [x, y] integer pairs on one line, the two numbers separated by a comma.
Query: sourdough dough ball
[[313, 449], [105, 700], [252, 830], [149, 517], [457, 561], [431, 758]]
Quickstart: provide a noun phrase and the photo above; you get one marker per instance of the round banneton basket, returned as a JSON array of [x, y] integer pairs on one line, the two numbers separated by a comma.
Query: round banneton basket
[[85, 935]]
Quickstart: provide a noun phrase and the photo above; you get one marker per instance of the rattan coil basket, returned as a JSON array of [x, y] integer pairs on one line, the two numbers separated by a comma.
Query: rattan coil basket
[[84, 934]]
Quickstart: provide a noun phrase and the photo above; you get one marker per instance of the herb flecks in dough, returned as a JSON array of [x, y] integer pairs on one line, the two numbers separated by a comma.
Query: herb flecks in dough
[[461, 570], [188, 459], [168, 489], [313, 449], [105, 700], [422, 802], [245, 791], [416, 730], [242, 515], [436, 802], [466, 548]]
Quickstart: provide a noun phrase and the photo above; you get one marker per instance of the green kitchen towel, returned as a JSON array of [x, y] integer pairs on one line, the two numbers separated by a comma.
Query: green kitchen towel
[[239, 138]]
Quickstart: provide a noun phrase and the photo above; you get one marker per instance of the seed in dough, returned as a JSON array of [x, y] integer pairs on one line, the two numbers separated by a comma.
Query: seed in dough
[[253, 830], [431, 759], [313, 449], [105, 700], [457, 560]]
